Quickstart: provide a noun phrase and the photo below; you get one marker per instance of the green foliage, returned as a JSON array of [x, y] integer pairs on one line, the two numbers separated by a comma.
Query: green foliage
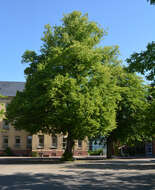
[[95, 152], [150, 113], [79, 89], [70, 87], [131, 109], [67, 156], [144, 62], [1, 109], [1, 113], [151, 1], [8, 152], [35, 154]]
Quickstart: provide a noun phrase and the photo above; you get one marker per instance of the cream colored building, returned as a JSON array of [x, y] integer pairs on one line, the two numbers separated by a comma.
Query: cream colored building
[[21, 142]]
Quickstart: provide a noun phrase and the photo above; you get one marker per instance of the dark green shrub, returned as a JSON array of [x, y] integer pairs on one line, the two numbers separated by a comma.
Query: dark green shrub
[[35, 154], [8, 152], [67, 156], [95, 152]]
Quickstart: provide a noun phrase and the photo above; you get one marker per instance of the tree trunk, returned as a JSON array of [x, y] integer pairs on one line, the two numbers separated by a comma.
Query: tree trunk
[[109, 147], [68, 154]]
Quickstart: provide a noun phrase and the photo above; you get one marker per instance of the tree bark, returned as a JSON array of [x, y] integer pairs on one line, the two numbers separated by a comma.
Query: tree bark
[[68, 154], [109, 147]]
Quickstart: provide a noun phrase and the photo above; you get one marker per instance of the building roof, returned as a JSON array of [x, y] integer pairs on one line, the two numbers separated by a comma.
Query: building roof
[[10, 88]]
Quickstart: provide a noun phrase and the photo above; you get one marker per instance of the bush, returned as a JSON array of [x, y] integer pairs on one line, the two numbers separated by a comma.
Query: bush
[[67, 156], [35, 154], [8, 152], [95, 152]]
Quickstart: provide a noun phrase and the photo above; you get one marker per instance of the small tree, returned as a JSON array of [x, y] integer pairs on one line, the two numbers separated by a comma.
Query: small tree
[[70, 88]]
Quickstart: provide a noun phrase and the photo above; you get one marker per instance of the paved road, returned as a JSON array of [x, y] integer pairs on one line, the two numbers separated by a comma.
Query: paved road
[[84, 175]]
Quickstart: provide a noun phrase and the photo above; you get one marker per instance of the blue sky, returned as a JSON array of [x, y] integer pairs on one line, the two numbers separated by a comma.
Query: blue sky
[[130, 25]]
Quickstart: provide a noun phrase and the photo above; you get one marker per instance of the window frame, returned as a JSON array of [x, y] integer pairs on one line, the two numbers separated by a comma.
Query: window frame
[[5, 125], [64, 142], [54, 145], [79, 143], [5, 145], [17, 144], [40, 144], [29, 144]]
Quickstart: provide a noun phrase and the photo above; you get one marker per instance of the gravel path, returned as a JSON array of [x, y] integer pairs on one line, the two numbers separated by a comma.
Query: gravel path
[[120, 174]]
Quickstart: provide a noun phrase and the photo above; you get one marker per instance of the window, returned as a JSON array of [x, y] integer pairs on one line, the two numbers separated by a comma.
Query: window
[[5, 141], [5, 125], [54, 141], [64, 143], [80, 143], [17, 141], [41, 141], [29, 141]]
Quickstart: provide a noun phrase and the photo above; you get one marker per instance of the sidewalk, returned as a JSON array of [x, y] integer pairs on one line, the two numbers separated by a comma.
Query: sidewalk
[[27, 160], [54, 160]]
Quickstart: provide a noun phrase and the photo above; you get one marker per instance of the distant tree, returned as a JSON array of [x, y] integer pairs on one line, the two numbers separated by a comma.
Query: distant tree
[[70, 88]]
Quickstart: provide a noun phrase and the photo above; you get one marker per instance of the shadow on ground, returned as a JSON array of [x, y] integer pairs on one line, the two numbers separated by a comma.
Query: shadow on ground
[[85, 180], [90, 175]]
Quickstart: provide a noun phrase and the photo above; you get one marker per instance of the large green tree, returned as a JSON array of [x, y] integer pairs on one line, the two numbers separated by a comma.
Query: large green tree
[[144, 63], [70, 88], [131, 110]]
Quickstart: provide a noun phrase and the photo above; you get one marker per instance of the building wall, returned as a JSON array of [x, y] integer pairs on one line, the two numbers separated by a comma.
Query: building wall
[[46, 150], [12, 133]]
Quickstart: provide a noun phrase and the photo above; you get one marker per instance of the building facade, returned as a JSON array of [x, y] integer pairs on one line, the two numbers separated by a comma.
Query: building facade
[[21, 142]]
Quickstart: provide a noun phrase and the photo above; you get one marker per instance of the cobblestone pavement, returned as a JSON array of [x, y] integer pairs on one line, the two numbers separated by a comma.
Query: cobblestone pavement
[[119, 174]]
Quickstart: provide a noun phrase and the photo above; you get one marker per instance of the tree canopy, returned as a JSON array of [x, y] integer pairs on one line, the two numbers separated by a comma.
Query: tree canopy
[[151, 1], [70, 88], [131, 110], [144, 62], [77, 88]]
